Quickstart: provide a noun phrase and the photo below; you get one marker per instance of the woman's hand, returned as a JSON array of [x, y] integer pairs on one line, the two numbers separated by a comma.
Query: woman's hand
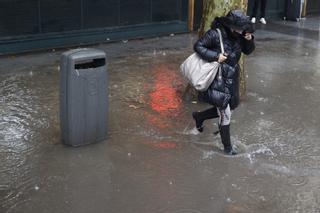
[[222, 58], [248, 36]]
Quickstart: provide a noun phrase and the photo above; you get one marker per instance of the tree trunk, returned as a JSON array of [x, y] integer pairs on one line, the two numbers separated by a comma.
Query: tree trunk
[[214, 8]]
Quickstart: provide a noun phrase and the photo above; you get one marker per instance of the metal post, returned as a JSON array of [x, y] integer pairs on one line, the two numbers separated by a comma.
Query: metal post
[[304, 10], [191, 15]]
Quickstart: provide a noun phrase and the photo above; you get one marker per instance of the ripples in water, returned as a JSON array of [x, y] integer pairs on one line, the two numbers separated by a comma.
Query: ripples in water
[[24, 110]]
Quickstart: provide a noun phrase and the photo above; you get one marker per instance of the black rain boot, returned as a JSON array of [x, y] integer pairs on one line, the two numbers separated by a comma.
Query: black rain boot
[[200, 117], [225, 139]]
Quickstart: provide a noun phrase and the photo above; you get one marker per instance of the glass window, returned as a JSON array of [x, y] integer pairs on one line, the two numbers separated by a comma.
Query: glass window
[[166, 10], [100, 13], [18, 17], [135, 12], [61, 15]]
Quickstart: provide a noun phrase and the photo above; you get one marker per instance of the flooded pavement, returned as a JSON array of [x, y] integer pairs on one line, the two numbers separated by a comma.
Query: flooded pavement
[[153, 159]]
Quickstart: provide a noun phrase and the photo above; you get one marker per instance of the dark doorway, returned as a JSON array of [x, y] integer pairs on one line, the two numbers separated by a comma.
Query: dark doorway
[[313, 7], [275, 8]]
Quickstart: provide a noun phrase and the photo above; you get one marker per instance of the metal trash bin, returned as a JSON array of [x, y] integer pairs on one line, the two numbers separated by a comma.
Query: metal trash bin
[[83, 97]]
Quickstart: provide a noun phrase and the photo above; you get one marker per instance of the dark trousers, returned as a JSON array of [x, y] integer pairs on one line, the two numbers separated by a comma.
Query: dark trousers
[[208, 114], [263, 4]]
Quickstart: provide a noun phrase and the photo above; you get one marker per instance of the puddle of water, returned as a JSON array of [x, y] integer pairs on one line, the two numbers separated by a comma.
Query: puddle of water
[[150, 122]]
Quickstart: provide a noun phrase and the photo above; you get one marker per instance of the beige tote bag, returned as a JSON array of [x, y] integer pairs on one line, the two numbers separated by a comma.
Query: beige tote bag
[[200, 73]]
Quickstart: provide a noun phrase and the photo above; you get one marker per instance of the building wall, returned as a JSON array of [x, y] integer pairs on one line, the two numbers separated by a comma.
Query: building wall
[[37, 24]]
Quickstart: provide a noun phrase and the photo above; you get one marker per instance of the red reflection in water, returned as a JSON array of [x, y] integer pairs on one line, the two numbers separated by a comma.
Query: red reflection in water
[[164, 98], [156, 120], [162, 145], [166, 145]]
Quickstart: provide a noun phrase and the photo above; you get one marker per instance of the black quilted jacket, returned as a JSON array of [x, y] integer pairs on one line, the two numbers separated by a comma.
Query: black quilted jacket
[[208, 47]]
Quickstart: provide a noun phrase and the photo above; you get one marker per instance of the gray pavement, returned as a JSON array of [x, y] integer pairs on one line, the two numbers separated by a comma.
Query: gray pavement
[[154, 160]]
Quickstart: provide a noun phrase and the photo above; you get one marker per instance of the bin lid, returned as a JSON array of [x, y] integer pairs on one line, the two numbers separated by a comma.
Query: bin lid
[[84, 54]]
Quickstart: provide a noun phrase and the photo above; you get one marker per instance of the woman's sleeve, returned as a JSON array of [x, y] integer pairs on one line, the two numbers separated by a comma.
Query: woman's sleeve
[[205, 45], [247, 46], [232, 58]]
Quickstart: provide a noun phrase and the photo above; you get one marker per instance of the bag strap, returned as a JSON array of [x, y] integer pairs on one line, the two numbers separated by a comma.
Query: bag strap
[[221, 41], [222, 51]]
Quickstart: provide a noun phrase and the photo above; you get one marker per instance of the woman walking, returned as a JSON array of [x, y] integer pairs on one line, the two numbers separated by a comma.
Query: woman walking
[[236, 30]]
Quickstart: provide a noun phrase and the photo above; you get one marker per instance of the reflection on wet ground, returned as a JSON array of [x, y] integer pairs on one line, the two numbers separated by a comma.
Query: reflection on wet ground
[[154, 160]]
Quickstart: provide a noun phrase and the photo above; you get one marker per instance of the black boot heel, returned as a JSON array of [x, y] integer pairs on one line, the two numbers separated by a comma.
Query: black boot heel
[[199, 124]]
